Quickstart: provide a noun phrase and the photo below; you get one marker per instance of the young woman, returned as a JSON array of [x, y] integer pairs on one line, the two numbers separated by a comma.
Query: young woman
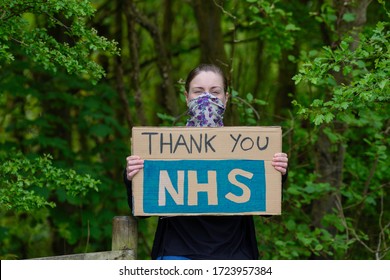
[[204, 237]]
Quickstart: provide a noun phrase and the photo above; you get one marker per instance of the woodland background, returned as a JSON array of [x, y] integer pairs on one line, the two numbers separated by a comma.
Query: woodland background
[[77, 75]]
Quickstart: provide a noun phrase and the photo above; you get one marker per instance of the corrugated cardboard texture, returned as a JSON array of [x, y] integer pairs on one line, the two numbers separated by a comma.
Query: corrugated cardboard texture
[[200, 146]]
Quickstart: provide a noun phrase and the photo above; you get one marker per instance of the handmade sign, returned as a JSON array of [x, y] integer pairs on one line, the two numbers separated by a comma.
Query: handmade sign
[[206, 171]]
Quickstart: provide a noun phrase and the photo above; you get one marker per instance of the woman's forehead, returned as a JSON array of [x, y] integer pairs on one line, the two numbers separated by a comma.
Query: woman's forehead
[[207, 79]]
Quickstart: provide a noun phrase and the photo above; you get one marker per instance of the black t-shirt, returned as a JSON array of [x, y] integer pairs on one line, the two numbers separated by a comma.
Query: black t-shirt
[[206, 237]]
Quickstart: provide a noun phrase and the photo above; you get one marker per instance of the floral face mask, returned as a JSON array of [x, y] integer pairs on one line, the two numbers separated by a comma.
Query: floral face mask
[[205, 110]]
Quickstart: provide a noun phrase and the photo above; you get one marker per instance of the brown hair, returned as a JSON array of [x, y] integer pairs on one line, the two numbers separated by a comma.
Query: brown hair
[[206, 68]]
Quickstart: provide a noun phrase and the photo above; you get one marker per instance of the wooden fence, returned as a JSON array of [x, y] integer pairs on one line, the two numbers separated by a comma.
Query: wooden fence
[[124, 243]]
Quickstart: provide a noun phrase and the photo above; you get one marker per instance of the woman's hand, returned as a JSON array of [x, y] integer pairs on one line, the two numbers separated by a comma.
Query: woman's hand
[[134, 164], [280, 162]]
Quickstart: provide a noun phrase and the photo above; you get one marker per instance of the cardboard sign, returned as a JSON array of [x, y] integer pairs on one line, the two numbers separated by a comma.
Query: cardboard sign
[[206, 171]]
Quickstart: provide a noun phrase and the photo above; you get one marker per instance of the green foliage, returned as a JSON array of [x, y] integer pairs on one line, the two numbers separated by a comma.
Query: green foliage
[[245, 108], [274, 24], [68, 18], [361, 220], [367, 68], [26, 185], [45, 111], [28, 188], [347, 85], [84, 126]]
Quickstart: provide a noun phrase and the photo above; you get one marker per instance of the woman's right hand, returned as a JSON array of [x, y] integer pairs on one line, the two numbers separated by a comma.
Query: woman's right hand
[[134, 164]]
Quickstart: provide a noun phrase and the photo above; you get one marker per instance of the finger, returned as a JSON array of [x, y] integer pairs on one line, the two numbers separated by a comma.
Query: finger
[[133, 157], [280, 159], [132, 167], [135, 162], [131, 174], [280, 169], [284, 155], [280, 164]]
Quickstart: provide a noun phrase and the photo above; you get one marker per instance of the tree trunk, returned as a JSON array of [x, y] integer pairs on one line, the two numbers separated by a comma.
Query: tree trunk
[[329, 166], [135, 66], [208, 20], [330, 156], [286, 86], [163, 58], [120, 85], [168, 18]]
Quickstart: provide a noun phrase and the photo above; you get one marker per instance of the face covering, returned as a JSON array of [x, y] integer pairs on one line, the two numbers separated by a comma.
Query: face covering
[[205, 110]]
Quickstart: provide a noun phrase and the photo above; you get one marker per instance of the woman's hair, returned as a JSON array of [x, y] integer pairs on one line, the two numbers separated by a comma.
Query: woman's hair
[[206, 68]]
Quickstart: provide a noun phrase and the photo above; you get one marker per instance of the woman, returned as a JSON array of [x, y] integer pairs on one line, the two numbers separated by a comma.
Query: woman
[[204, 237]]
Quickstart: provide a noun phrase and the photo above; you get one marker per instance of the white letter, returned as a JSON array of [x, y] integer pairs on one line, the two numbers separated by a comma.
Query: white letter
[[210, 188], [166, 184], [246, 192]]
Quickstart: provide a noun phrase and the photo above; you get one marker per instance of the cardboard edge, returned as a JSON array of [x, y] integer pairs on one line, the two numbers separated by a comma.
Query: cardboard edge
[[275, 208]]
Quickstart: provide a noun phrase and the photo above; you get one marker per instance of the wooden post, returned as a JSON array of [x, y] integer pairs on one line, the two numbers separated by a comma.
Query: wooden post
[[124, 233]]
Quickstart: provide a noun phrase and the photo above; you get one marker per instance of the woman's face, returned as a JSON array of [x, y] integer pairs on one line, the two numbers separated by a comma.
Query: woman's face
[[207, 82]]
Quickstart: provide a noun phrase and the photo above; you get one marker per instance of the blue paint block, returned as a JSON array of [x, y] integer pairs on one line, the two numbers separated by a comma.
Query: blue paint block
[[235, 179]]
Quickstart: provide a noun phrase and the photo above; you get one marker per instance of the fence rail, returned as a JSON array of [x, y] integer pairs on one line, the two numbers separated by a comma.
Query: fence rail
[[124, 243]]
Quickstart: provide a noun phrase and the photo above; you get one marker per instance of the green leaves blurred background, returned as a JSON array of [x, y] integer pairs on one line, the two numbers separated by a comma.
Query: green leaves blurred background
[[75, 76]]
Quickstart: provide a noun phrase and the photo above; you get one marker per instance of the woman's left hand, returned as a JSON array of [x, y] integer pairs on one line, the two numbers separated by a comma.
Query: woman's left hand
[[280, 162]]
